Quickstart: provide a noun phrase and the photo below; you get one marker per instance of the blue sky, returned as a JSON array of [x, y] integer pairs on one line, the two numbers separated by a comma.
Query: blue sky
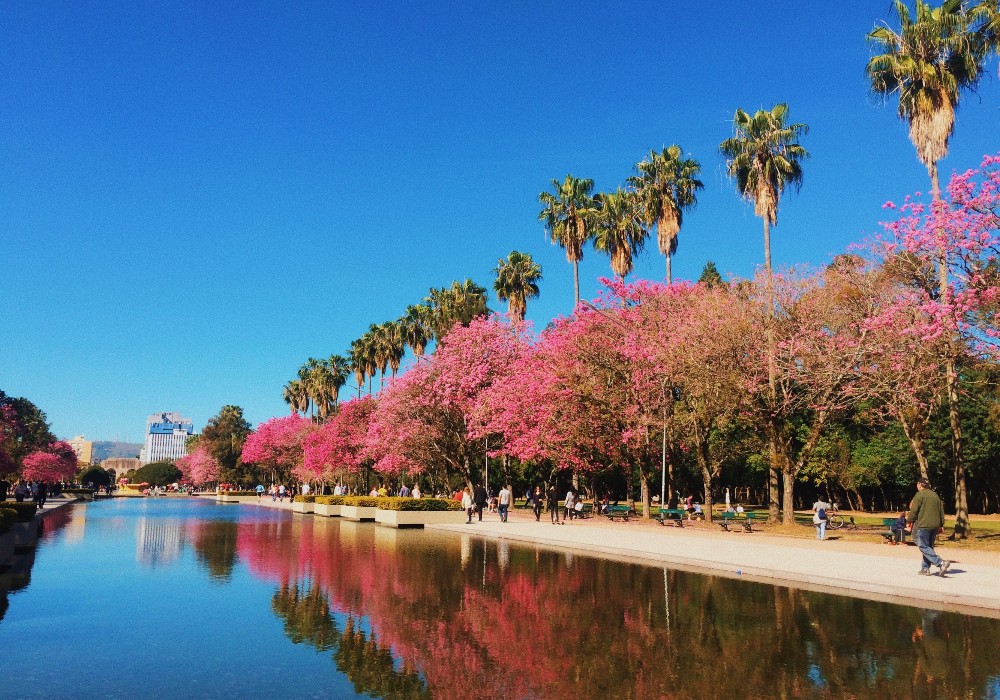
[[196, 197]]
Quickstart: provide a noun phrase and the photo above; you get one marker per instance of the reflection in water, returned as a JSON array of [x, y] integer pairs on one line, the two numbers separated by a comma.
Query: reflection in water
[[372, 669], [215, 546], [157, 541], [532, 623], [17, 576]]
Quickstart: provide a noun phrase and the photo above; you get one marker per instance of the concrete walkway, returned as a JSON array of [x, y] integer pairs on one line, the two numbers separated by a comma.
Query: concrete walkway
[[873, 571]]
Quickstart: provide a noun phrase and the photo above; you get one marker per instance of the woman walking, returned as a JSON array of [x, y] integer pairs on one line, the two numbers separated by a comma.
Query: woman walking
[[537, 503]]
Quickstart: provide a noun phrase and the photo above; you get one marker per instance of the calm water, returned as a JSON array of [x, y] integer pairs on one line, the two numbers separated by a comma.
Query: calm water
[[186, 598]]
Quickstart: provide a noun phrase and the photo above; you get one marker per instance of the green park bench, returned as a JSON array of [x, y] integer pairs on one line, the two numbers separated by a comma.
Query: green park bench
[[745, 519], [585, 512], [890, 536], [675, 515], [623, 512]]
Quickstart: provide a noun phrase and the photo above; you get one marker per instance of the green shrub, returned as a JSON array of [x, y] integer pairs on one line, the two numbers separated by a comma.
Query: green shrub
[[97, 475], [78, 492], [239, 493], [422, 504], [330, 500], [7, 519], [305, 499], [157, 474], [25, 511], [360, 501]]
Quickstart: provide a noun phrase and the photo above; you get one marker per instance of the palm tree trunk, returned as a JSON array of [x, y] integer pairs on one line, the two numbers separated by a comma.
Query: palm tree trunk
[[670, 277], [772, 383], [576, 284], [962, 526]]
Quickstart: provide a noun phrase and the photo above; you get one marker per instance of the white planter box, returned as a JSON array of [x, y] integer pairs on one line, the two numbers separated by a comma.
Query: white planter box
[[324, 509], [25, 534], [358, 513], [300, 507], [6, 548], [418, 518]]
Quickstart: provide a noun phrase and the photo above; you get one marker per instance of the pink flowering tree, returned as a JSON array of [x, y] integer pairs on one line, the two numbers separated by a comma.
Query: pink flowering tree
[[277, 445], [56, 462], [336, 448], [950, 247], [200, 467], [421, 424]]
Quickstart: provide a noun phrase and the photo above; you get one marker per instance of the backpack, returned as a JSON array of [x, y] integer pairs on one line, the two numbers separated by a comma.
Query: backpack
[[821, 513]]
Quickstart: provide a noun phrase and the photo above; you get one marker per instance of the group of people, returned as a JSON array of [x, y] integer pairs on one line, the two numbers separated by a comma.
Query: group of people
[[478, 499], [37, 491]]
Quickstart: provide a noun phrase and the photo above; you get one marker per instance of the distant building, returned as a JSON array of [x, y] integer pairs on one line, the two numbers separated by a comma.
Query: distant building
[[166, 434], [121, 465], [84, 450]]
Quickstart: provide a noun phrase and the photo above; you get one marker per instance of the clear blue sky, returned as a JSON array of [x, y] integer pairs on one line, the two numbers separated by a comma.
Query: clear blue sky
[[198, 196]]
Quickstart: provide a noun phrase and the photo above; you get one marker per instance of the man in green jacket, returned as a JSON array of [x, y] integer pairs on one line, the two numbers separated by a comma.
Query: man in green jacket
[[926, 518]]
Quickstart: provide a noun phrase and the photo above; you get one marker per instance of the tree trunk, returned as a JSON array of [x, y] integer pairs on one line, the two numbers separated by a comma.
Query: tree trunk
[[788, 497], [576, 284], [915, 435], [670, 276], [644, 484]]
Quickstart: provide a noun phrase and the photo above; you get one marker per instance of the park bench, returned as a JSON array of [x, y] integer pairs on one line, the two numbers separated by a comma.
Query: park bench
[[585, 512], [675, 515], [745, 519], [889, 535], [623, 512]]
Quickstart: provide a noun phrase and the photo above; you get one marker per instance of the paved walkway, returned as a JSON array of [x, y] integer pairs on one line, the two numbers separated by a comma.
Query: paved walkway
[[874, 571]]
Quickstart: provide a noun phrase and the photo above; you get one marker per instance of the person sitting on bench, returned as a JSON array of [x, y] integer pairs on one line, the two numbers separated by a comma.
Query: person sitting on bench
[[898, 528]]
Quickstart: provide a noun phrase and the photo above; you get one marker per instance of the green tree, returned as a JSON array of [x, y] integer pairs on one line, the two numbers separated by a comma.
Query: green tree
[[458, 304], [415, 326], [618, 229], [96, 476], [710, 275], [567, 215], [667, 184], [223, 436], [516, 282], [157, 474]]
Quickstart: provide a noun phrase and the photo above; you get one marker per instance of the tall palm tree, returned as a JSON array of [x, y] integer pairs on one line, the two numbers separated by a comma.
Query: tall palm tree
[[390, 344], [619, 230], [517, 281], [667, 184], [359, 362], [567, 214], [296, 396], [933, 57], [415, 326], [340, 369], [764, 157], [460, 303]]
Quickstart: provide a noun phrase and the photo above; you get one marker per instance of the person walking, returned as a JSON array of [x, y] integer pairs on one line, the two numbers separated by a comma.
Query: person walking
[[568, 511], [503, 502], [467, 504], [480, 498], [926, 519], [819, 517], [536, 503], [553, 504]]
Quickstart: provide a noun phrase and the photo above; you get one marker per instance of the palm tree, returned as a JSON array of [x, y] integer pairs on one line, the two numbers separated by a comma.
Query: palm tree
[[619, 231], [764, 157], [460, 303], [929, 61], [516, 282], [391, 346], [415, 326], [296, 396], [359, 362], [340, 369], [567, 215], [666, 185]]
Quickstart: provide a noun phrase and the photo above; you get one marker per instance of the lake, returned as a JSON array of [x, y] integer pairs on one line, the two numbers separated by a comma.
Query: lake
[[182, 598]]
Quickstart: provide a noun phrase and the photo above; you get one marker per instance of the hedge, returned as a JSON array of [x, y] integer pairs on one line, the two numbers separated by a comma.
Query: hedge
[[238, 493], [74, 492], [425, 504], [8, 517], [25, 511], [330, 500], [305, 499]]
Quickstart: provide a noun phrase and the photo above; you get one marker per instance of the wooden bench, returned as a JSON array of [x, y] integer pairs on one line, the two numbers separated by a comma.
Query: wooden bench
[[585, 512], [675, 515], [623, 512], [889, 535]]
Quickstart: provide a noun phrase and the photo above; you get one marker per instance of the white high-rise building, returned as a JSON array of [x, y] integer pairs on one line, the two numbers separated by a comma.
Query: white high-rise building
[[166, 434]]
